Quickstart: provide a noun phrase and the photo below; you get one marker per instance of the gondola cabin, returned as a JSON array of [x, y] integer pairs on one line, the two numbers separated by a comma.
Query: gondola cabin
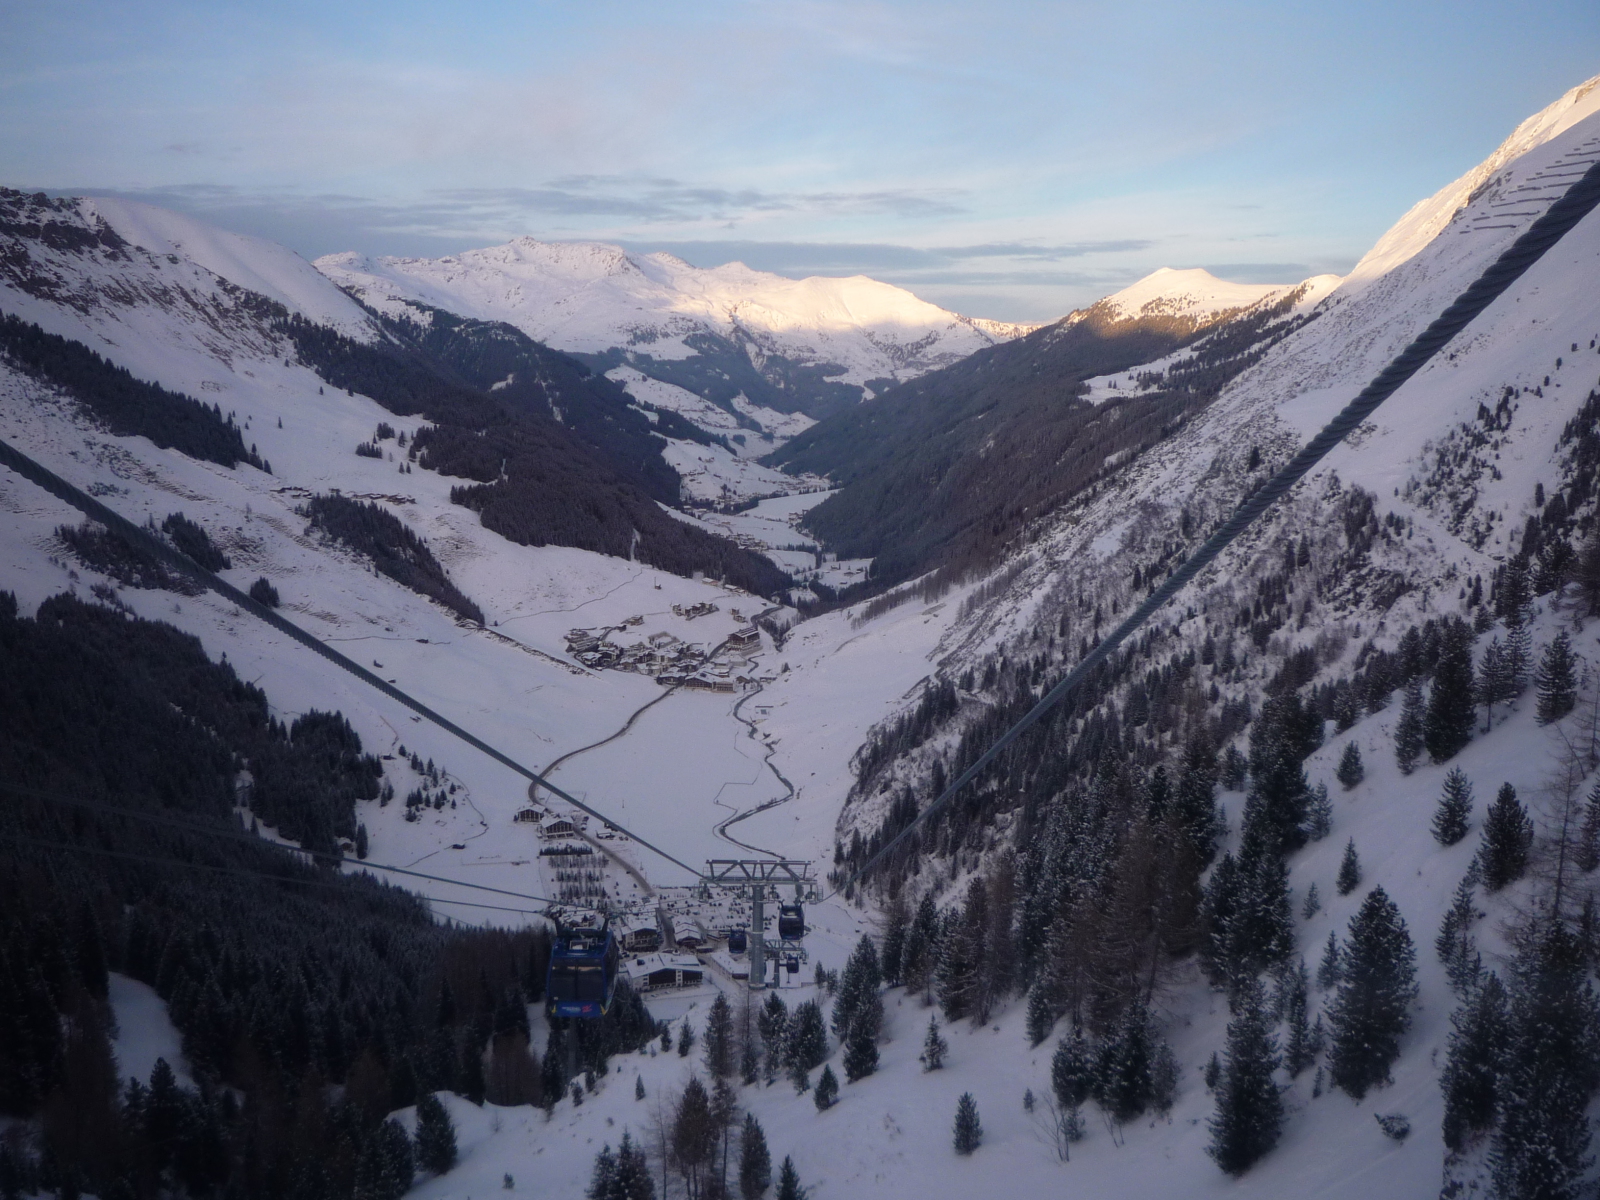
[[791, 922], [583, 974], [738, 942]]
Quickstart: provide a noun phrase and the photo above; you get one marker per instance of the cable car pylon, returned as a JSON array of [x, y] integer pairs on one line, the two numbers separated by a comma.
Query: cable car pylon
[[760, 880]]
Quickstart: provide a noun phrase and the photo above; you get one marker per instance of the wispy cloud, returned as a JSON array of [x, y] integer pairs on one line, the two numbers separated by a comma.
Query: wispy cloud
[[672, 200]]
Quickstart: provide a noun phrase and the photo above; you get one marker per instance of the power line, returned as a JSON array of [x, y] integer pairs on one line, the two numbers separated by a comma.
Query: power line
[[177, 822], [1578, 201], [243, 872], [43, 477]]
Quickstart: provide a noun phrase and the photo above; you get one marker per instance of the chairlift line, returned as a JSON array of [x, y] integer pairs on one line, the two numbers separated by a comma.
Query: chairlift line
[[1563, 214]]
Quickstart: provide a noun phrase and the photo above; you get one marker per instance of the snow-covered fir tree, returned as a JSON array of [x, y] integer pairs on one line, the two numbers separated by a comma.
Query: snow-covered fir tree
[[1452, 819], [1372, 1007]]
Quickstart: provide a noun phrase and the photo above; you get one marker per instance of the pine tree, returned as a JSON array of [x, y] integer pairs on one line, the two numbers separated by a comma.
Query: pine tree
[[719, 1038], [1319, 812], [1549, 1072], [1507, 837], [894, 941], [638, 1087], [862, 978], [1235, 768], [436, 1135], [1451, 819], [385, 1170], [961, 955], [755, 1162], [808, 1040], [789, 1182], [1312, 904], [1349, 878], [1298, 1053], [1124, 1078], [1042, 1011], [1494, 684], [1519, 658], [686, 1038], [1448, 726], [693, 1136], [1479, 1032], [1408, 730], [1371, 1010], [860, 1053], [827, 1089], [1072, 1072], [1195, 801], [1249, 1116], [1351, 771], [632, 1180], [934, 1047], [1556, 680], [1455, 945], [1588, 857], [968, 1128], [773, 1024], [603, 1180]]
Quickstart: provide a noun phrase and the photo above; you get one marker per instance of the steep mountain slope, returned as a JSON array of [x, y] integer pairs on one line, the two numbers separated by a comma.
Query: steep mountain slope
[[1461, 526], [810, 346], [558, 455], [945, 470]]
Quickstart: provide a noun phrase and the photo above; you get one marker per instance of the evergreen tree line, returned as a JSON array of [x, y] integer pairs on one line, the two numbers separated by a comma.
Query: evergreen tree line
[[395, 550], [917, 494], [123, 405], [310, 1003], [533, 379]]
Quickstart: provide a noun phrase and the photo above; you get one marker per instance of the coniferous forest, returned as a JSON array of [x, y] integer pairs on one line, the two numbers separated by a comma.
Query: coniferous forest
[[310, 1003], [126, 406]]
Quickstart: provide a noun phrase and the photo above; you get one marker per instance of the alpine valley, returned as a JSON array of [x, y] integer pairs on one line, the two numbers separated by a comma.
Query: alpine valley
[[1296, 895]]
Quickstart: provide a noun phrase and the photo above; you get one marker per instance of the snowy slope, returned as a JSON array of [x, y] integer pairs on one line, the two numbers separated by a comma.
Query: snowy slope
[[690, 762], [589, 297], [1458, 495], [194, 328], [1192, 293]]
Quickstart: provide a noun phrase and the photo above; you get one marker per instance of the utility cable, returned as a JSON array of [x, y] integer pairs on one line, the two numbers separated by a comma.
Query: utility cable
[[185, 825], [242, 872], [51, 482], [1575, 204]]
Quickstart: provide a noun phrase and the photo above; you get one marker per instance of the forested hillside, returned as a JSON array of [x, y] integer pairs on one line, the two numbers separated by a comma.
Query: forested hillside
[[948, 469], [311, 1004], [535, 482]]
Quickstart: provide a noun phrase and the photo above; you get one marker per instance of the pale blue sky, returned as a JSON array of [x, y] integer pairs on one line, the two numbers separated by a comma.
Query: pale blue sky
[[1008, 160]]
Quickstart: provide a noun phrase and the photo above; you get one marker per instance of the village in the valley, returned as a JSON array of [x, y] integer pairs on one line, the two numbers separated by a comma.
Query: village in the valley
[[726, 666]]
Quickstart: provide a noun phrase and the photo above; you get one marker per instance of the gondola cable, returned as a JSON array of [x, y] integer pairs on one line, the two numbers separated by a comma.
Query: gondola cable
[[243, 872], [1575, 204], [173, 821], [43, 477]]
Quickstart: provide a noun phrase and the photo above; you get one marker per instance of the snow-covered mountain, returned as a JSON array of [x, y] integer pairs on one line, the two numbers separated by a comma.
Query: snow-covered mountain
[[1198, 295], [1410, 521], [813, 343], [1481, 462]]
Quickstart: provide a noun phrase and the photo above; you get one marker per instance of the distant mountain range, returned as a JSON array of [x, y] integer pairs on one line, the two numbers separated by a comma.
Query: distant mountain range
[[813, 346]]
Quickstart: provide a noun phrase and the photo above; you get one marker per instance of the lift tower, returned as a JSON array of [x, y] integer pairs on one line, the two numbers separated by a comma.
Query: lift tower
[[759, 879]]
